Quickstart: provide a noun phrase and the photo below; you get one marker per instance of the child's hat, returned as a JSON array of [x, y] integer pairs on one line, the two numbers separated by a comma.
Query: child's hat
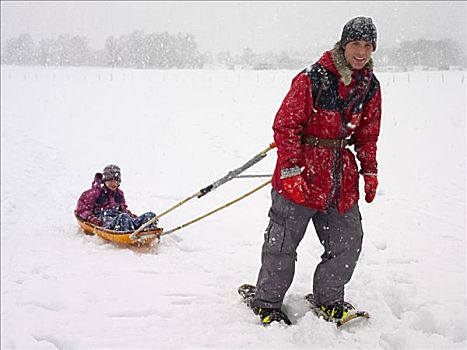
[[111, 172]]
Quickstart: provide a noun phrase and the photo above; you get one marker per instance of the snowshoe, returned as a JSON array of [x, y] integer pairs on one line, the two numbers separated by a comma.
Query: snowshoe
[[247, 292], [266, 315], [339, 312]]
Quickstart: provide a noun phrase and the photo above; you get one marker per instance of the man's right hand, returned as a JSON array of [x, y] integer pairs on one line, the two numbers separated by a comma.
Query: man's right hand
[[296, 188]]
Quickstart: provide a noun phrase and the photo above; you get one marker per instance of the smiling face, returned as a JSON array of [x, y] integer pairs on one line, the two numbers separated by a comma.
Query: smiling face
[[112, 184], [358, 53]]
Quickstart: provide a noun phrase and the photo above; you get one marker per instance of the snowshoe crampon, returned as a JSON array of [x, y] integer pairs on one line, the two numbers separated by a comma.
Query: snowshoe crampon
[[350, 314], [146, 237]]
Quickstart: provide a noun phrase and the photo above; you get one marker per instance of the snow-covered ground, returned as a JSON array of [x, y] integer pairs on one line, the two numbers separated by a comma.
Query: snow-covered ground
[[175, 132]]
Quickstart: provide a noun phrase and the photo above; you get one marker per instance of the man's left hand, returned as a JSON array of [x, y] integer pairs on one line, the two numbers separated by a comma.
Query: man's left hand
[[371, 183]]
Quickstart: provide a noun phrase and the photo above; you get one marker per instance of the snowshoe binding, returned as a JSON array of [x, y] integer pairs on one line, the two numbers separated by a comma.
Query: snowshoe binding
[[340, 312], [266, 315]]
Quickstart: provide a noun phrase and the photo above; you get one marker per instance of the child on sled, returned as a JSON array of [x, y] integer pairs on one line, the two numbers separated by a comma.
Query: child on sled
[[104, 204]]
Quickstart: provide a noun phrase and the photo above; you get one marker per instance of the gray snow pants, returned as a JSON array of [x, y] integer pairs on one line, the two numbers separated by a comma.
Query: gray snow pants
[[340, 234]]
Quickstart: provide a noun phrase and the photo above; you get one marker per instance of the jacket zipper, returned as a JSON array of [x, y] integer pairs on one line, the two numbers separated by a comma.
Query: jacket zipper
[[336, 170]]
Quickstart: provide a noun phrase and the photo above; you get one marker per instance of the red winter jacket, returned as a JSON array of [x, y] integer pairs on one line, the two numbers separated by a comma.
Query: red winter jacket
[[342, 111]]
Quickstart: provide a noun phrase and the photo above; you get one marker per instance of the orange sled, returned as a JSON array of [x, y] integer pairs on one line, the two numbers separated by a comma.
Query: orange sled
[[146, 237]]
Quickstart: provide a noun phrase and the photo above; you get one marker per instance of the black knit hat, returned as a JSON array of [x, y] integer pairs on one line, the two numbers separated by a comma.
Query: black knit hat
[[359, 28], [112, 172]]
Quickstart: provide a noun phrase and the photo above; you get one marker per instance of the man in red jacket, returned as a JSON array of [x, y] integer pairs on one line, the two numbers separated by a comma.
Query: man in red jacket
[[331, 105]]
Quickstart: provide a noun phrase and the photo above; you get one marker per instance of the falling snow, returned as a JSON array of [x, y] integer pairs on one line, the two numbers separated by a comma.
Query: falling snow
[[174, 132]]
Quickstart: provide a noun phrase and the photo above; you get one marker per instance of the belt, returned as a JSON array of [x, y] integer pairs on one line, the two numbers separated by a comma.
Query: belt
[[333, 143]]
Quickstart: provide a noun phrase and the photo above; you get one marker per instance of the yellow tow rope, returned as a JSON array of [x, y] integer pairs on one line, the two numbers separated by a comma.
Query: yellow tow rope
[[215, 210], [231, 175]]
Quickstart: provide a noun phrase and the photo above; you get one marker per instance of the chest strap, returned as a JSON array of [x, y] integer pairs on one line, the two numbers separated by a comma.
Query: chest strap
[[333, 143]]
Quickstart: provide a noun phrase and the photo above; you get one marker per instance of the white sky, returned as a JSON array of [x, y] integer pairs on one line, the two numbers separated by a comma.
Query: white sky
[[233, 26]]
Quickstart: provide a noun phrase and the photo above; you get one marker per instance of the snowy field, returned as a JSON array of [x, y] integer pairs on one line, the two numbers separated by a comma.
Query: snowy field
[[175, 132]]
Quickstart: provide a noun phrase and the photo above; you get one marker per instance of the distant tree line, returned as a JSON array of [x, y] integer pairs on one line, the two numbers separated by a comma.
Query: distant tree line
[[180, 51], [136, 50], [440, 54], [139, 50]]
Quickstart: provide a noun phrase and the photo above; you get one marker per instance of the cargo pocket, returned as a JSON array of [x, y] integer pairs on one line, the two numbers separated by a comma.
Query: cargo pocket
[[275, 232]]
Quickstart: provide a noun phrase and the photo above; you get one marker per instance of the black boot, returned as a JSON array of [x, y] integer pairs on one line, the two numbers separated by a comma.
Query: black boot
[[336, 311], [268, 316]]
